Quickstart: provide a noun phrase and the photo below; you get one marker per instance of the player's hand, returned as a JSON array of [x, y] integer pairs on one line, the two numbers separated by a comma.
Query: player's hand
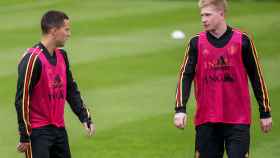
[[22, 146], [180, 120], [90, 128], [266, 124]]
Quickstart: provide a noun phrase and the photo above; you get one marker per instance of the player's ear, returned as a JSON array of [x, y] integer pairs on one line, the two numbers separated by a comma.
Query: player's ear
[[221, 13], [53, 31]]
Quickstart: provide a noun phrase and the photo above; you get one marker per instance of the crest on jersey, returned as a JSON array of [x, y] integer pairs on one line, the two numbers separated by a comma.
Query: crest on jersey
[[232, 49]]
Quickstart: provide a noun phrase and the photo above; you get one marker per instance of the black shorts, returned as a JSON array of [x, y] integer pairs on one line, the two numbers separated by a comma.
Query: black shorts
[[213, 138], [49, 142]]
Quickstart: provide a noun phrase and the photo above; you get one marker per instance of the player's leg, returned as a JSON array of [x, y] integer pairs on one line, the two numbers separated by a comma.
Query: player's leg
[[209, 141], [41, 141], [61, 148], [237, 141]]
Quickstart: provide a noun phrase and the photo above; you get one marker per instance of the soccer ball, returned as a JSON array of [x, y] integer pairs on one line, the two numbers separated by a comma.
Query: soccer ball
[[178, 34]]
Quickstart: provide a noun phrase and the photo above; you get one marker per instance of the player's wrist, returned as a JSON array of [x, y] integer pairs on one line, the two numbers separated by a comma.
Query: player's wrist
[[24, 138], [180, 115], [87, 121], [180, 109], [264, 115]]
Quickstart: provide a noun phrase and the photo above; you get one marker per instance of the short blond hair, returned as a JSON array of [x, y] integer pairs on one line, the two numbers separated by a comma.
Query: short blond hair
[[220, 4]]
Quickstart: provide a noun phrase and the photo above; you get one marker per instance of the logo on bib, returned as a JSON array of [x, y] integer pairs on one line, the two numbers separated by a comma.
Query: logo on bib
[[57, 83], [220, 70], [57, 91]]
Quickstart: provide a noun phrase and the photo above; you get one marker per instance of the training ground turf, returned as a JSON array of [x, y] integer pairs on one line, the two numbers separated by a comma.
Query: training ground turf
[[126, 64]]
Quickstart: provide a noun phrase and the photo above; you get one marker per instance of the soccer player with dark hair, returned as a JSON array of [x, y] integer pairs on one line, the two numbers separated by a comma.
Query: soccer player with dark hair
[[220, 60], [45, 82]]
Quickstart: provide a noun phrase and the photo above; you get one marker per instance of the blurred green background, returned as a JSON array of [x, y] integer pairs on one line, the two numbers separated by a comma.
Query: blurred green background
[[126, 65]]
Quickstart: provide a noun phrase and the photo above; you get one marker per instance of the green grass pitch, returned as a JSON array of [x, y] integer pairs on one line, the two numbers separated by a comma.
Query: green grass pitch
[[126, 65]]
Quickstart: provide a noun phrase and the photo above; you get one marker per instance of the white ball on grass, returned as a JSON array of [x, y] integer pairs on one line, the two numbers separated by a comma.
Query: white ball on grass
[[178, 34]]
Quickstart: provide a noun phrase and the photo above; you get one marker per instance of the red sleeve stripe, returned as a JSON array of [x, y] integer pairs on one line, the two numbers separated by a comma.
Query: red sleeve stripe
[[26, 97], [179, 99], [266, 103]]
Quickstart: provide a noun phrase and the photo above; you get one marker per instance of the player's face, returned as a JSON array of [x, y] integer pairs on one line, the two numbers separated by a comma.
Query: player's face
[[62, 34], [211, 17]]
